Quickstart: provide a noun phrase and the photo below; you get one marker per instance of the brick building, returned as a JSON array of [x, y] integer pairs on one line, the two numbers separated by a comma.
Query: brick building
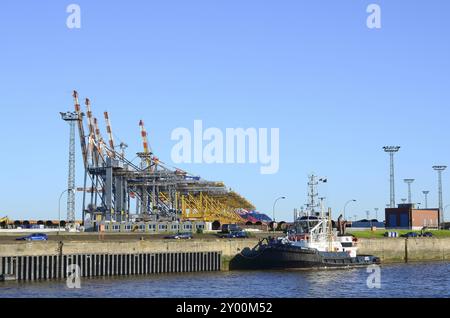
[[406, 216]]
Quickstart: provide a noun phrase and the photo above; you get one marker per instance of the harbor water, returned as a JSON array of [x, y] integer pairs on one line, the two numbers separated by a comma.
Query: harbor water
[[428, 280]]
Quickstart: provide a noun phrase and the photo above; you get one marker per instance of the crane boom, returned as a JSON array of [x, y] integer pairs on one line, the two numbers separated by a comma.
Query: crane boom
[[147, 149], [110, 135], [91, 155], [81, 128], [99, 138]]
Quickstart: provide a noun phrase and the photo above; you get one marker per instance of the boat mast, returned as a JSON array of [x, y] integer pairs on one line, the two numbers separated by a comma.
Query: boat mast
[[330, 231], [312, 204]]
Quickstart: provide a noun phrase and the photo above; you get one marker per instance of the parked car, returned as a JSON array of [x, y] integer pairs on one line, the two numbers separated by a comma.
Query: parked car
[[230, 228], [235, 234], [241, 234], [180, 236], [410, 234], [34, 237]]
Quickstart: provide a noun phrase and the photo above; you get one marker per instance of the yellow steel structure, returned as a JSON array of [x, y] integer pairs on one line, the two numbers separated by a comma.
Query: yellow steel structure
[[234, 200], [209, 207], [5, 221], [206, 208]]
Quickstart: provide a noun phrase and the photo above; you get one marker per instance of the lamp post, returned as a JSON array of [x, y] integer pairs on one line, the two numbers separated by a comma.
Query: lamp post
[[409, 182], [368, 217], [439, 170], [346, 203], [392, 150], [426, 198], [376, 213], [274, 204]]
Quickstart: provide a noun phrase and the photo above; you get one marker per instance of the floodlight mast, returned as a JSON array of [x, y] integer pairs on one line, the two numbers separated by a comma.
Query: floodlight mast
[[392, 150], [71, 118], [439, 170], [409, 182], [426, 198]]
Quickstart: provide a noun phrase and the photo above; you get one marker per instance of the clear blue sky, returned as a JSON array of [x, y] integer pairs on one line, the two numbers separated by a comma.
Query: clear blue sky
[[337, 90]]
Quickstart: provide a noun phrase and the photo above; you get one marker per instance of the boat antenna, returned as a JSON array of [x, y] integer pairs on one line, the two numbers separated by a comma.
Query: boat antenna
[[330, 231]]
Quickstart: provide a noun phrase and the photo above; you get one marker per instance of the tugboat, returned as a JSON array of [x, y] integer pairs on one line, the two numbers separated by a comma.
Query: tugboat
[[310, 243]]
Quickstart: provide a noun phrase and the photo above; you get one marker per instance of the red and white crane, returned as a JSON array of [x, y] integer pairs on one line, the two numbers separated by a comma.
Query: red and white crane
[[147, 150], [112, 153], [80, 128]]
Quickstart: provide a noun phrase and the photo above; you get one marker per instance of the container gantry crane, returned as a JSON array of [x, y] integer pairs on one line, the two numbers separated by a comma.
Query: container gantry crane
[[160, 192]]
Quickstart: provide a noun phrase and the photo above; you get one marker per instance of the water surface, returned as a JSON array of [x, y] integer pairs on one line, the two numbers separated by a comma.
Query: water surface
[[428, 280]]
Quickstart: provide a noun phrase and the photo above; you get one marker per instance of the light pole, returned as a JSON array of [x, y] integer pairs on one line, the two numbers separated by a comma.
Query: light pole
[[274, 204], [391, 150], [368, 217], [409, 182], [425, 193], [71, 118], [376, 213], [346, 203], [439, 170]]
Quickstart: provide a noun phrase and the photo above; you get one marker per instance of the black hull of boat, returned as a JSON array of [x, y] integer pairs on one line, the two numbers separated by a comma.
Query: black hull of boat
[[289, 257]]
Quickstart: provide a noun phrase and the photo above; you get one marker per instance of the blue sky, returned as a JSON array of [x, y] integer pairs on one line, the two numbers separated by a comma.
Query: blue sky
[[337, 90]]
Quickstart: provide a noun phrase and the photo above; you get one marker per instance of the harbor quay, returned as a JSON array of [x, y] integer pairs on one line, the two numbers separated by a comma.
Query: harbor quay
[[29, 261]]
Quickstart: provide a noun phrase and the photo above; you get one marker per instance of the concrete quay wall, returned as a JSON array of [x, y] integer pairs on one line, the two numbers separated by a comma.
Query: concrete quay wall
[[406, 249], [388, 249], [228, 248]]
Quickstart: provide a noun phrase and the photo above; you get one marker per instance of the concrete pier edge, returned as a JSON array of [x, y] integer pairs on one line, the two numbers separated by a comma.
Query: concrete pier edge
[[390, 250]]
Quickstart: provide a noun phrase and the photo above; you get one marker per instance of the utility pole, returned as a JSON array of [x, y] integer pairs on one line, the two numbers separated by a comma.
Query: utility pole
[[71, 118], [426, 198], [409, 182], [392, 150], [439, 169]]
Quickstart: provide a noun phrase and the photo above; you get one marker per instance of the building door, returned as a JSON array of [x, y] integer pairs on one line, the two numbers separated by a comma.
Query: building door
[[404, 220], [392, 220]]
